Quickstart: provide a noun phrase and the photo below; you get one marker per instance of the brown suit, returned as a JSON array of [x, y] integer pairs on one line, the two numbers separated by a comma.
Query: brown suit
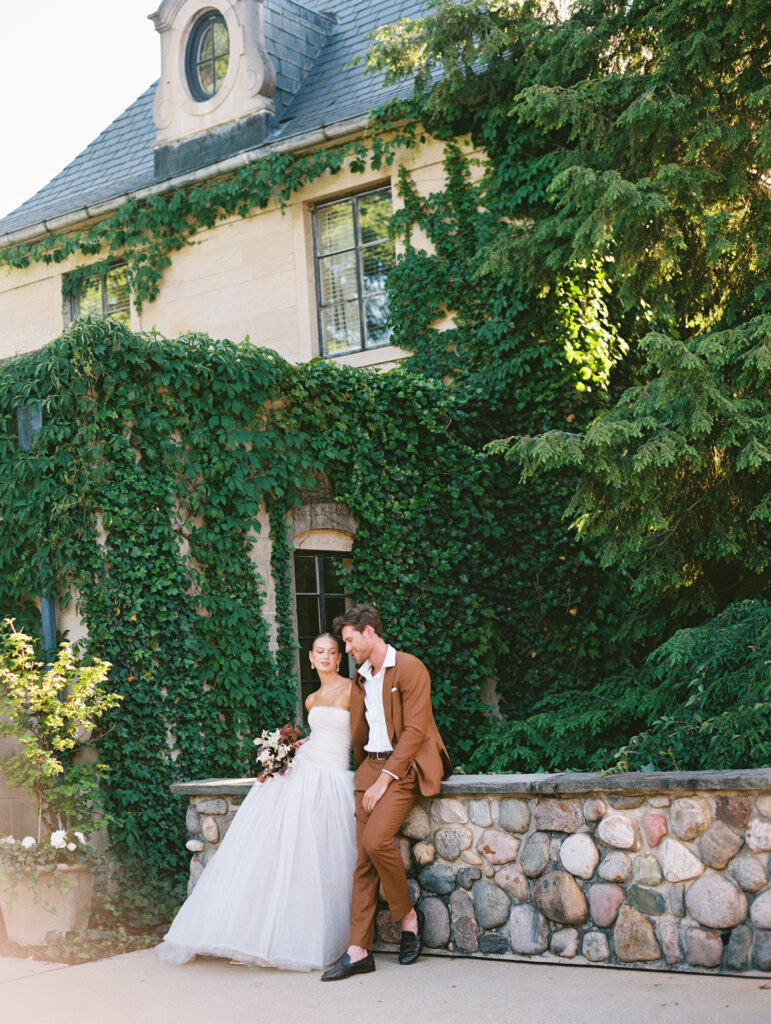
[[420, 762]]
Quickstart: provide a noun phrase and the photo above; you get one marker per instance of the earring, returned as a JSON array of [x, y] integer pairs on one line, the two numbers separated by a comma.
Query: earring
[[313, 663]]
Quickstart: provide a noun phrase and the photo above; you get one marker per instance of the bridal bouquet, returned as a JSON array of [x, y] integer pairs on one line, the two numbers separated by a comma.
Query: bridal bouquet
[[276, 751]]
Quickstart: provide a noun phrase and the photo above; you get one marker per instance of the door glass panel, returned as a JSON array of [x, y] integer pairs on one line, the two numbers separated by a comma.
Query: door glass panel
[[305, 574]]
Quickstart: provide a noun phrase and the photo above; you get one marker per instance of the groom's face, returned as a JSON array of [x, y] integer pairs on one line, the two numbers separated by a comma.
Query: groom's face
[[358, 644]]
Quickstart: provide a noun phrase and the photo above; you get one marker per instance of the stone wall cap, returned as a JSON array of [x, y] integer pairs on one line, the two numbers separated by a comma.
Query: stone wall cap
[[545, 784]]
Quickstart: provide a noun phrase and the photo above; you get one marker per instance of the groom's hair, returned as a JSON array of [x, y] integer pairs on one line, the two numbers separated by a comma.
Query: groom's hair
[[360, 616]]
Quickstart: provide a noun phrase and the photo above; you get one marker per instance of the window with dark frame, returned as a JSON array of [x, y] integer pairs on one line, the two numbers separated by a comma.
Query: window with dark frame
[[107, 294], [207, 56], [353, 255], [320, 598]]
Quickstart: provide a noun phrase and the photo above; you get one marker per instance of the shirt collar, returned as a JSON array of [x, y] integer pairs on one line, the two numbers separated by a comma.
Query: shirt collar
[[388, 662]]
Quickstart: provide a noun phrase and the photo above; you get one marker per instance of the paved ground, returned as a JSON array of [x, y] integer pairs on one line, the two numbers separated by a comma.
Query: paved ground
[[137, 988]]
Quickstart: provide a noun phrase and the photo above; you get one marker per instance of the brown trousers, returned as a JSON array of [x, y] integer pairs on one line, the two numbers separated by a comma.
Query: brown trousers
[[378, 859]]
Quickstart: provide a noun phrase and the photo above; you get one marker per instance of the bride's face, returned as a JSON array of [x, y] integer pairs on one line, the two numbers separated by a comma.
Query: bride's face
[[324, 654]]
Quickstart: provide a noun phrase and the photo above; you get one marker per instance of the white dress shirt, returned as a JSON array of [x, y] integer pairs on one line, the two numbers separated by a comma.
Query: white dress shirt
[[379, 740]]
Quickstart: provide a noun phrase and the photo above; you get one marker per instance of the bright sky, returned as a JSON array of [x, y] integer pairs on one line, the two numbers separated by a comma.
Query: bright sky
[[71, 66]]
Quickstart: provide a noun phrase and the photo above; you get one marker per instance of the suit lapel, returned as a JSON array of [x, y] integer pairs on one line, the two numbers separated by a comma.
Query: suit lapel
[[388, 700]]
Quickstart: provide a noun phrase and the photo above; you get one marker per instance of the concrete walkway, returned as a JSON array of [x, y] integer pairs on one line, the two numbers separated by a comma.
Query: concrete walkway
[[137, 989]]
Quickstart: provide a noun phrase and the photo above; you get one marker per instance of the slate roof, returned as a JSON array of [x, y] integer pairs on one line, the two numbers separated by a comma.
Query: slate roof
[[315, 88]]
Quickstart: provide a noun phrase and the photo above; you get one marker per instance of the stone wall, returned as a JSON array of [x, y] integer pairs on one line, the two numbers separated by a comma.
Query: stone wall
[[651, 870]]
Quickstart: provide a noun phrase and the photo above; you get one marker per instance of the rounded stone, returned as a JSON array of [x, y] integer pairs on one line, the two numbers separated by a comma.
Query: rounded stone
[[579, 855], [655, 828], [194, 845], [215, 806], [413, 890], [677, 861], [703, 949], [759, 835], [647, 871], [479, 812], [738, 948], [210, 830], [646, 900], [554, 815], [196, 870], [438, 878], [761, 951], [436, 930], [472, 857], [515, 815], [452, 840], [748, 872], [619, 832], [416, 825], [763, 804], [626, 803], [605, 900], [659, 801], [718, 845], [192, 820], [402, 844], [595, 947], [733, 810], [594, 809], [511, 878], [616, 867], [528, 930], [497, 846], [676, 899], [564, 943], [467, 876], [535, 854], [493, 944], [558, 897], [491, 904], [633, 937], [690, 816], [716, 902], [423, 853], [760, 915], [449, 811], [464, 925], [669, 939], [388, 931]]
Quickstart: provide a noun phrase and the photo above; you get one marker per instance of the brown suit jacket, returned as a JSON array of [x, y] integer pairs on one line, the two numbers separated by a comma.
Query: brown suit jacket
[[410, 720]]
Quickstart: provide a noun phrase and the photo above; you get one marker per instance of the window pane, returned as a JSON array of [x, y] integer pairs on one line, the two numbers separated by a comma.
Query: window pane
[[206, 78], [375, 212], [118, 295], [335, 227], [338, 277], [305, 574], [332, 582], [90, 298], [307, 616], [333, 606], [377, 260], [341, 327], [221, 66], [206, 49], [220, 40], [378, 328]]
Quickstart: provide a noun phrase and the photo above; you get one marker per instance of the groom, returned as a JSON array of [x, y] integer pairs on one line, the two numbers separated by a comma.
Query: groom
[[398, 753]]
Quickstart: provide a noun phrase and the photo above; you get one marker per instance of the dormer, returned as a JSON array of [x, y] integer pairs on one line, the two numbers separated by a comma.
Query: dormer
[[217, 94]]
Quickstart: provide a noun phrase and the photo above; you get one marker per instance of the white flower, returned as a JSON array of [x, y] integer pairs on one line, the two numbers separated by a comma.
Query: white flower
[[72, 847], [80, 837], [28, 841], [263, 755], [7, 840], [57, 839]]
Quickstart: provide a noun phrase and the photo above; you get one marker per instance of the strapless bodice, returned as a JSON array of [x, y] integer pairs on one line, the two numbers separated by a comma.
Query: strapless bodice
[[330, 741]]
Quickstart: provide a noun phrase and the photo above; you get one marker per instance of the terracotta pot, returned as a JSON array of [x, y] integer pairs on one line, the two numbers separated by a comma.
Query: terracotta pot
[[31, 914]]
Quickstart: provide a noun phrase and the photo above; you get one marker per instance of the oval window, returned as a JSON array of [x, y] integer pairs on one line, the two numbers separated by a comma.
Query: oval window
[[208, 53]]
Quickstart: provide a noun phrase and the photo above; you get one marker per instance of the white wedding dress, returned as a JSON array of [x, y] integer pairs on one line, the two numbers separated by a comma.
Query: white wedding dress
[[277, 892]]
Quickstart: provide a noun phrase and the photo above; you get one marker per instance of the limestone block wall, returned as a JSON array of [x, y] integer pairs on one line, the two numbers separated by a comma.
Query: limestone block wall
[[669, 871]]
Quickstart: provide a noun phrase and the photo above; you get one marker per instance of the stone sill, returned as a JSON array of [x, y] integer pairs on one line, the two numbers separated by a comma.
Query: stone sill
[[562, 784]]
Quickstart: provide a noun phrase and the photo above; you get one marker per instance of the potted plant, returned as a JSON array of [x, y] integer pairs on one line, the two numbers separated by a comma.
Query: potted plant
[[51, 711]]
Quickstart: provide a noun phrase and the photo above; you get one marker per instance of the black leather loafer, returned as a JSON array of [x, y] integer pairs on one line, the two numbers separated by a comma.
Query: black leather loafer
[[411, 944], [345, 969]]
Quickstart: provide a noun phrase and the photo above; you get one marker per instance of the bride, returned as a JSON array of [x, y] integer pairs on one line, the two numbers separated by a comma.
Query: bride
[[277, 892]]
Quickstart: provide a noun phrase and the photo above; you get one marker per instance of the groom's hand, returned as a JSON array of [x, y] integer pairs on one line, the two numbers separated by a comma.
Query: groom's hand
[[375, 791]]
